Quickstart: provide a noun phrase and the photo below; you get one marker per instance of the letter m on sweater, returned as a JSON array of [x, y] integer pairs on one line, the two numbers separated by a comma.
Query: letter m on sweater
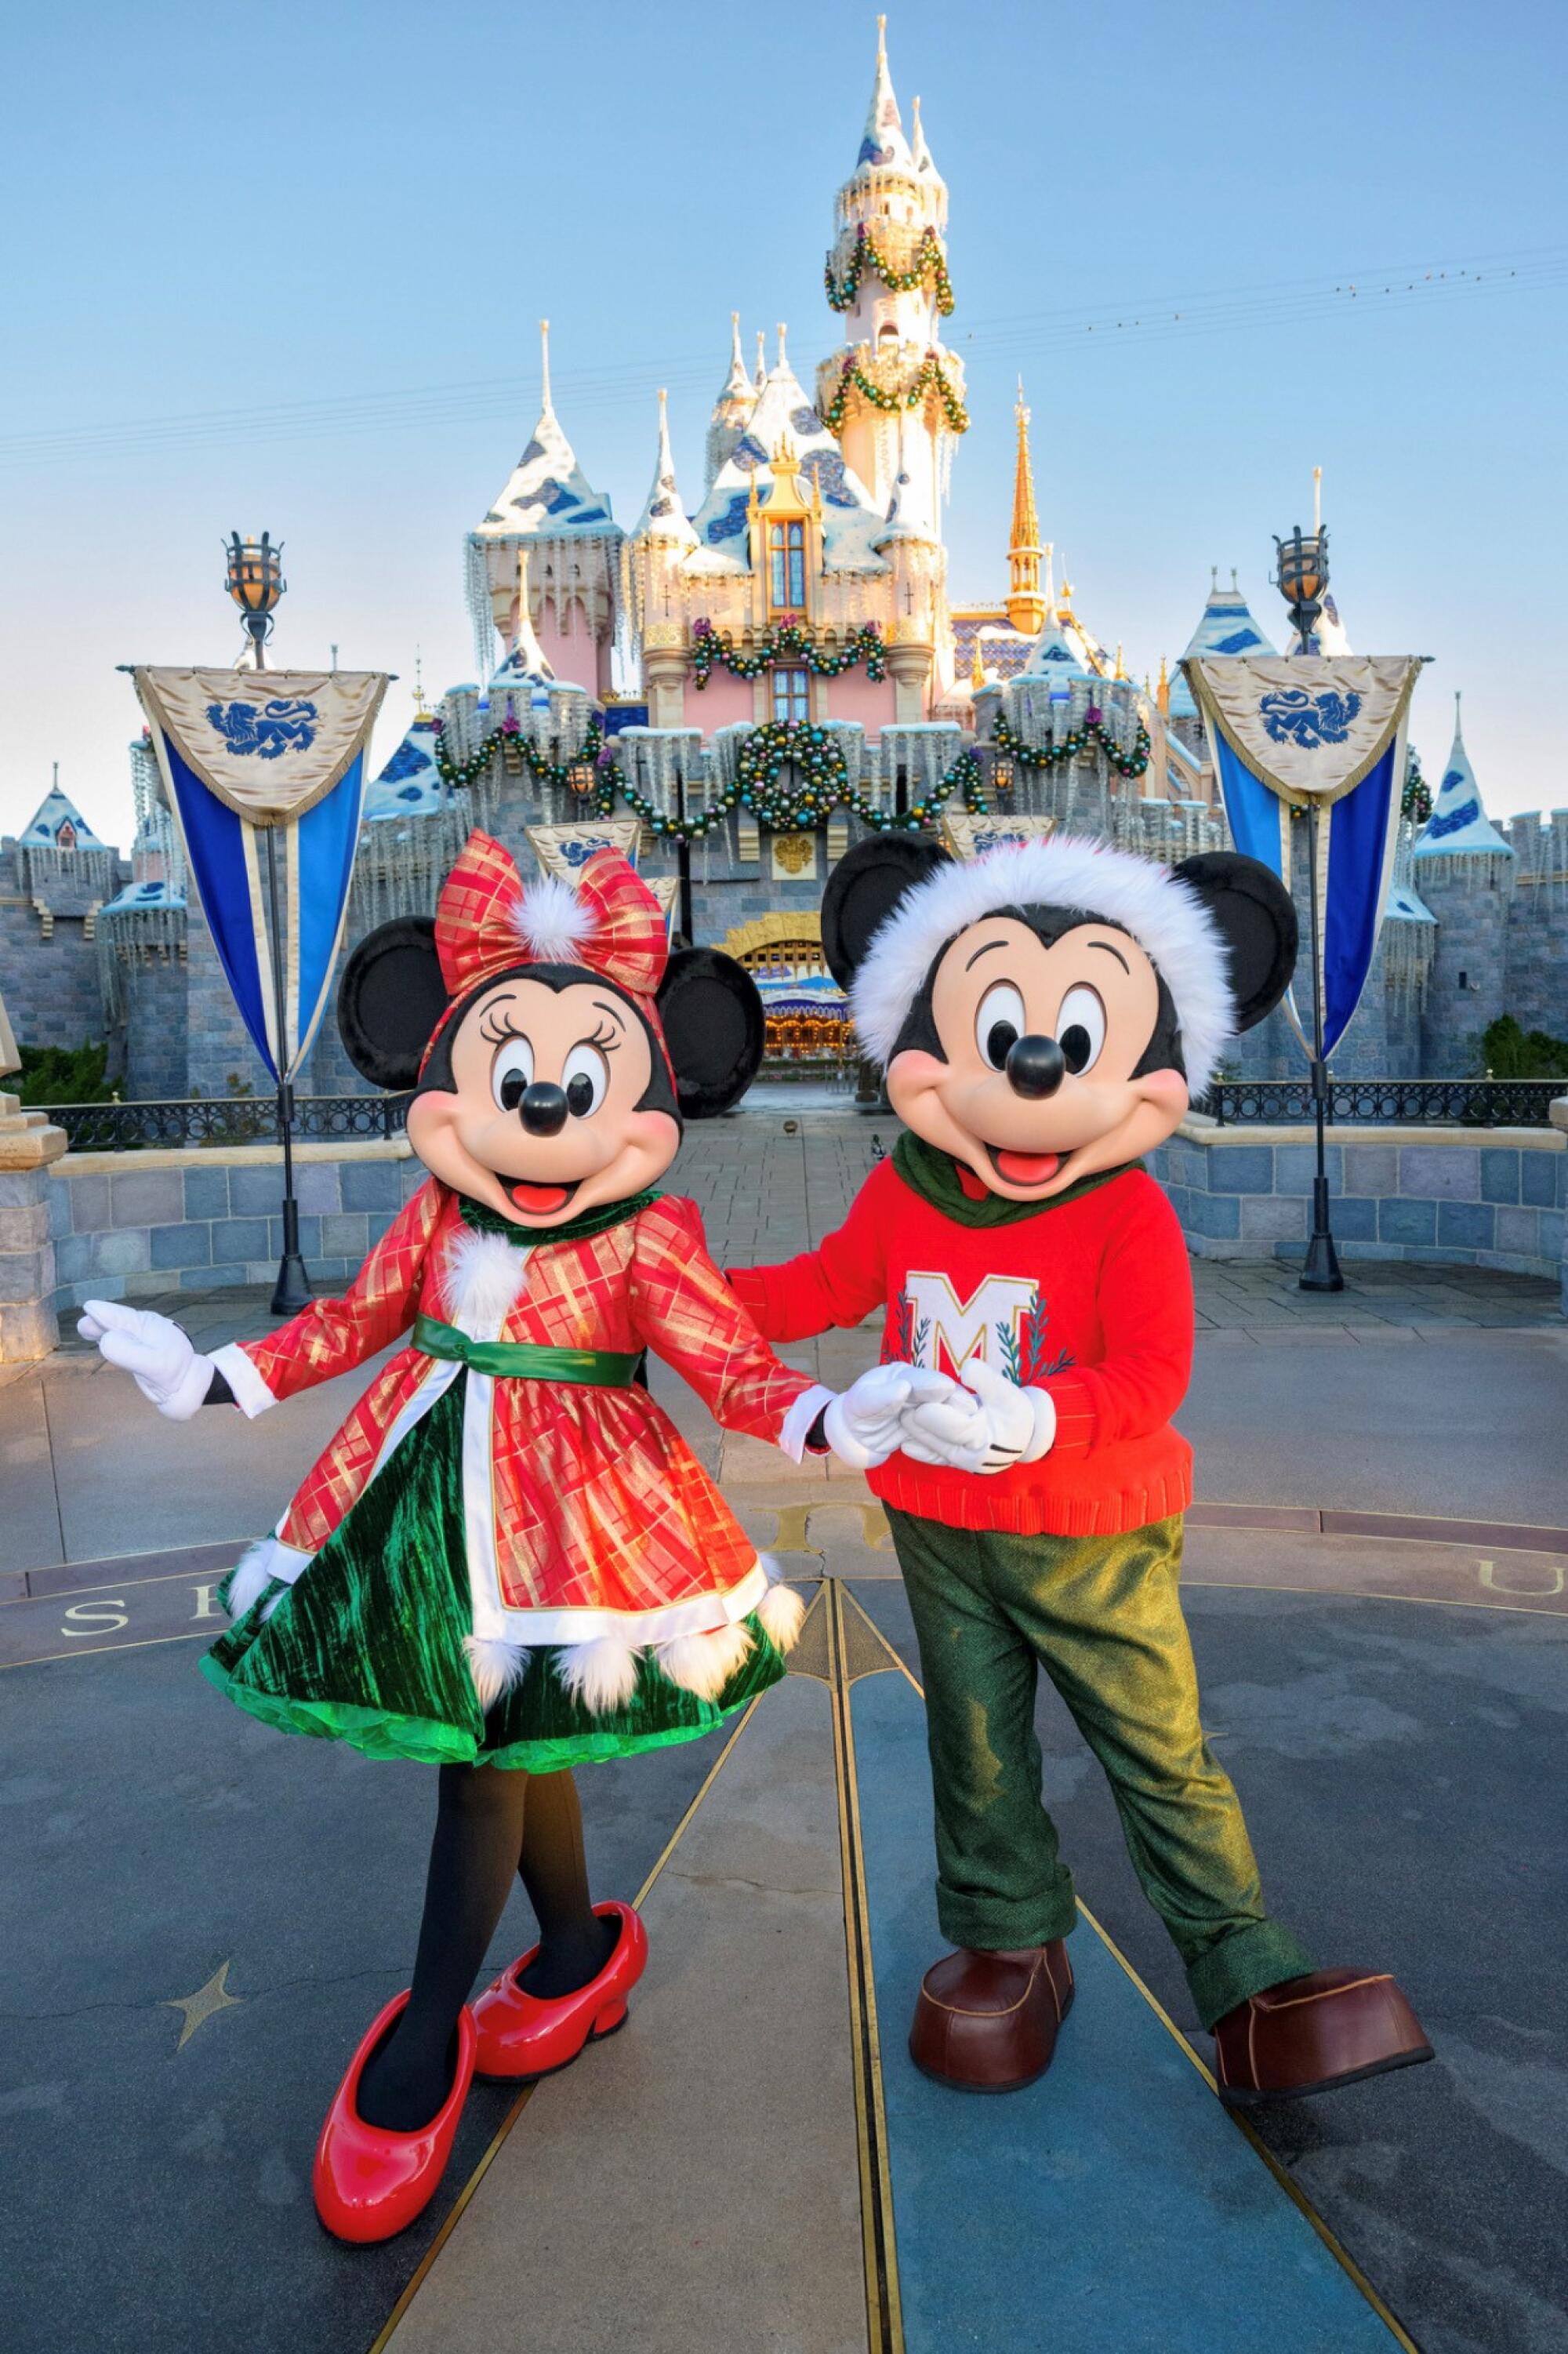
[[947, 1332]]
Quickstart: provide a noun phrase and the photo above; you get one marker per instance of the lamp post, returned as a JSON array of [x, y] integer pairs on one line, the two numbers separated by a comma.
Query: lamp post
[[1302, 578], [254, 578]]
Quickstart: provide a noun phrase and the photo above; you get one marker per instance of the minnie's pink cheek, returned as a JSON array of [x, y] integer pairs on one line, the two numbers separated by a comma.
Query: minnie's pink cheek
[[653, 1132], [428, 1115]]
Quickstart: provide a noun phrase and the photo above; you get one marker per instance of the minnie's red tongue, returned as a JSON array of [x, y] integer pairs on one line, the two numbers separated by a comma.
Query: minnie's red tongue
[[539, 1199], [1027, 1168]]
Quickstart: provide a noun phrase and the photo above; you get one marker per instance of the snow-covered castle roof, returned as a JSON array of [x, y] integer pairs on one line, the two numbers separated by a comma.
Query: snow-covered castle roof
[[1458, 824], [55, 812], [409, 784], [547, 493], [782, 412], [1226, 626]]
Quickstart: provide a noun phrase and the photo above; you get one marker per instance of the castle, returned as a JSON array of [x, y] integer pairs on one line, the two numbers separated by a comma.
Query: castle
[[745, 684]]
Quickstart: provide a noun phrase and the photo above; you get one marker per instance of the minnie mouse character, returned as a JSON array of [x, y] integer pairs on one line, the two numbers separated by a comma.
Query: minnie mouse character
[[508, 1562], [1045, 1014]]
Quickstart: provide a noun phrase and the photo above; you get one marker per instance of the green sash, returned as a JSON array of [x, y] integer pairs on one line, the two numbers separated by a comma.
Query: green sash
[[525, 1360]]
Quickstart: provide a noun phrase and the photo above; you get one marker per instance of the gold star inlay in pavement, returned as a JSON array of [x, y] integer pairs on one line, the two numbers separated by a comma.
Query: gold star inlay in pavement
[[200, 2007]]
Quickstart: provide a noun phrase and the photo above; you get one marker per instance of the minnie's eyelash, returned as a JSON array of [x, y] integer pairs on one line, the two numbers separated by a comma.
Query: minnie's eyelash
[[605, 1040], [499, 1037]]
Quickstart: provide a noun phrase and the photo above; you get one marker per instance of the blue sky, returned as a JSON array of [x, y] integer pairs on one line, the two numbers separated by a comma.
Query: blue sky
[[284, 268]]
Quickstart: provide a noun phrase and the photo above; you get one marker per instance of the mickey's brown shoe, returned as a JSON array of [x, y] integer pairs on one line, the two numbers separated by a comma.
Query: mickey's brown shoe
[[1312, 2034], [987, 2022]]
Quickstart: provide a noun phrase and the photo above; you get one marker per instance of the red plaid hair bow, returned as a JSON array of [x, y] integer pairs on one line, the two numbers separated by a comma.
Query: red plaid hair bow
[[488, 921]]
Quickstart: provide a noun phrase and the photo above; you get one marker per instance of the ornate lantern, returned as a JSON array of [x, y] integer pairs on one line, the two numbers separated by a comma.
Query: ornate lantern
[[254, 578], [1301, 576]]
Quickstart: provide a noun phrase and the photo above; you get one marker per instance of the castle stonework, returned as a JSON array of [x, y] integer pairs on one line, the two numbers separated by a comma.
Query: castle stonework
[[767, 675]]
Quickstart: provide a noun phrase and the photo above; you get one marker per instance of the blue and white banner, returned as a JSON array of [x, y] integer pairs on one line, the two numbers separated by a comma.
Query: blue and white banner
[[1326, 730], [265, 772]]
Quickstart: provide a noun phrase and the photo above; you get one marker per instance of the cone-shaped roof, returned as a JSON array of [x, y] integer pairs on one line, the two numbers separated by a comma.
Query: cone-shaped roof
[[737, 385], [1458, 824], [409, 785], [924, 164], [883, 143], [1226, 626], [784, 412], [547, 492], [42, 830], [1025, 517], [664, 516]]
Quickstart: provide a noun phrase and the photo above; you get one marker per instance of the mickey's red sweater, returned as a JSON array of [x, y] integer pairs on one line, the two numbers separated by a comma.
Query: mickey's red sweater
[[1091, 1299]]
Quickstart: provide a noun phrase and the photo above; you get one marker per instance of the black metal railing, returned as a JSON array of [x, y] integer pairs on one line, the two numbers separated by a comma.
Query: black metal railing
[[1391, 1103], [217, 1120]]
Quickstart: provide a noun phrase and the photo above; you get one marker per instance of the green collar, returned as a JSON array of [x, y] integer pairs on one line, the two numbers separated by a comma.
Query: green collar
[[596, 1220], [935, 1177]]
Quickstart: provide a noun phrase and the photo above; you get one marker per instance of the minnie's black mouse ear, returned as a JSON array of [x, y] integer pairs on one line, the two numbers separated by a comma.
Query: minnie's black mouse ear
[[389, 1001], [862, 891], [713, 1027], [1258, 918]]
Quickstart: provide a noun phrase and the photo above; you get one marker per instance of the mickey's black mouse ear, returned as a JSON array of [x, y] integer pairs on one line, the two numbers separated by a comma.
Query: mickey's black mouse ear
[[1258, 918], [713, 1027], [389, 1001], [862, 891]]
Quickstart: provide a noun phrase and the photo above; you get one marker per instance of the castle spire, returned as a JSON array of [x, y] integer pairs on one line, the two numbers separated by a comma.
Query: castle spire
[[882, 142], [737, 384], [736, 399], [1025, 606], [664, 516], [761, 378], [1458, 823], [545, 409]]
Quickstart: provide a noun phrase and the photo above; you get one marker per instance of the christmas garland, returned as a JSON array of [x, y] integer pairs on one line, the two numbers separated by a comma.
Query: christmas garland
[[1415, 799], [779, 743], [509, 740], [930, 261], [1093, 732], [788, 641], [930, 373]]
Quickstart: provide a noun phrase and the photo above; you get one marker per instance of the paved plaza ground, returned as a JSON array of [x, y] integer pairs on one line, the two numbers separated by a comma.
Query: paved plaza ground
[[202, 1916]]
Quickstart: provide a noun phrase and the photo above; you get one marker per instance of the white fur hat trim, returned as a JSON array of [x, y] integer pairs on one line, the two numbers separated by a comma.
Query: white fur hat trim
[[1161, 911]]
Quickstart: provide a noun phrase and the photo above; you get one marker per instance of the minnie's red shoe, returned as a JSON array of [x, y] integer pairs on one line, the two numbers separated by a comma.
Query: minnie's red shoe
[[520, 2034], [369, 2182]]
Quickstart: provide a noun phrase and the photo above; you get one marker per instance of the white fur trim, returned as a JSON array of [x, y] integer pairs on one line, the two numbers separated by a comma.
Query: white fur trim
[[494, 1665], [251, 1395], [1163, 914], [704, 1664], [795, 1426], [258, 1567], [551, 921], [601, 1673], [781, 1611], [485, 1275]]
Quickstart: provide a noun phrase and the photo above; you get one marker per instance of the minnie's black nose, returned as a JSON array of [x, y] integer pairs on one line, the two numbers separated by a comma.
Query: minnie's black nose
[[1035, 1067], [543, 1107]]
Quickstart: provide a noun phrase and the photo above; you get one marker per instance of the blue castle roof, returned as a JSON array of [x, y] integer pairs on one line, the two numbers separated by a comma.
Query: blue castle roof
[[1458, 824]]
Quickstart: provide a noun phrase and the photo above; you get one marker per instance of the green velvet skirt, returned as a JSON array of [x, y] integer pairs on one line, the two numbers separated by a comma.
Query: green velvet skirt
[[367, 1645]]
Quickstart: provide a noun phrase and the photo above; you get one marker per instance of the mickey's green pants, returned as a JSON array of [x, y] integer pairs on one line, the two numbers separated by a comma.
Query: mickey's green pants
[[1103, 1617]]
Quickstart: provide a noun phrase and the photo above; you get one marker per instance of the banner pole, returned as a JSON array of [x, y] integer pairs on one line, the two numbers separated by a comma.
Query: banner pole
[[1320, 1269], [291, 1291]]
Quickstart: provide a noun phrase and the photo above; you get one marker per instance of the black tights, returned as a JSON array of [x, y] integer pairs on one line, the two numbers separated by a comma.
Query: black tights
[[489, 1824]]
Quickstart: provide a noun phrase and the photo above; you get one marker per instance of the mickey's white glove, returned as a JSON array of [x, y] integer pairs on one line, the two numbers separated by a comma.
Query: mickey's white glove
[[157, 1354], [987, 1427], [863, 1425]]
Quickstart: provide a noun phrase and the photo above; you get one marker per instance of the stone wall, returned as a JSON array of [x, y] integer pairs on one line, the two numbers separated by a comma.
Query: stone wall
[[127, 1223], [1468, 1198]]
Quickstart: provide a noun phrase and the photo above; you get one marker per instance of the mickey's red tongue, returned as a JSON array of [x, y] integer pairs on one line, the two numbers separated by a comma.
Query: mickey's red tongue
[[540, 1199], [1027, 1168]]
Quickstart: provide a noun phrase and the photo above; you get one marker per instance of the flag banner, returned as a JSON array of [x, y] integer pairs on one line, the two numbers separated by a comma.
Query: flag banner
[[970, 837], [1328, 730], [296, 832], [563, 849], [666, 889]]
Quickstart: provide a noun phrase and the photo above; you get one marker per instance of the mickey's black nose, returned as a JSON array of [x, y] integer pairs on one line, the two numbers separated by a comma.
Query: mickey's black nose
[[543, 1107], [1035, 1067]]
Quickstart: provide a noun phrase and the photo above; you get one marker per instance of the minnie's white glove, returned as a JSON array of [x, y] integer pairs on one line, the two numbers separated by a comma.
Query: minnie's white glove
[[158, 1355], [864, 1426], [988, 1427]]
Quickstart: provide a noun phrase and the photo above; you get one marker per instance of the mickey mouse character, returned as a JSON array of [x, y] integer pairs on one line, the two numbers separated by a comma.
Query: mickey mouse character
[[508, 1562], [1044, 1013]]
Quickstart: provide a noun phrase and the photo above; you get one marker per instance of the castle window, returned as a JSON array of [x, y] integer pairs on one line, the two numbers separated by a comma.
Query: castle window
[[786, 567], [791, 696], [1464, 979]]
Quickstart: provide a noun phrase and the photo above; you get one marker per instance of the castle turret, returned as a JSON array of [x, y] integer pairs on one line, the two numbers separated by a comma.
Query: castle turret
[[1226, 626], [737, 398], [550, 512], [1466, 873], [887, 276], [661, 539]]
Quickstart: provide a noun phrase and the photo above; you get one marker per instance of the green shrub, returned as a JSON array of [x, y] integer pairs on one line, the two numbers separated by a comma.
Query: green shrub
[[1514, 1054], [63, 1074]]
